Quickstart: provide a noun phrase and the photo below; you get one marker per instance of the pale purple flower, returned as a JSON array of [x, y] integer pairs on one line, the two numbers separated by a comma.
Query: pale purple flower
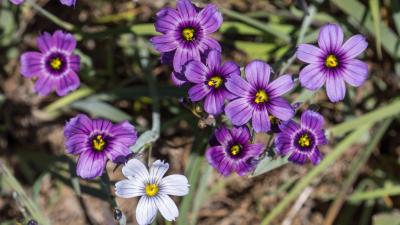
[[64, 2], [233, 151], [185, 31], [301, 142], [55, 65], [257, 98], [97, 140], [153, 189], [209, 81], [333, 63]]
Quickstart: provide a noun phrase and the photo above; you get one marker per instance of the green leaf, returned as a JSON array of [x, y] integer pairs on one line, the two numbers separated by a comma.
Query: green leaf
[[101, 109], [267, 164], [386, 219], [376, 17], [67, 100]]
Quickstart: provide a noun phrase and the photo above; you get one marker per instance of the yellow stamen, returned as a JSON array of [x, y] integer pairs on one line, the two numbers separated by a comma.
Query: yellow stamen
[[56, 63], [235, 149], [98, 143], [331, 61], [215, 81], [151, 190], [188, 34], [304, 140], [261, 97]]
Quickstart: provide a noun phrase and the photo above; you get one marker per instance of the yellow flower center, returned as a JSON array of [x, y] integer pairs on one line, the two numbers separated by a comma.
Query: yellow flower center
[[151, 190], [304, 140], [261, 97], [331, 61], [274, 120], [98, 143], [56, 63], [188, 34], [215, 81], [235, 149]]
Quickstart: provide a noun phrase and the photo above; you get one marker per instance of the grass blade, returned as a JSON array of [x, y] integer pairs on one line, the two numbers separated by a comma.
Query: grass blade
[[376, 17]]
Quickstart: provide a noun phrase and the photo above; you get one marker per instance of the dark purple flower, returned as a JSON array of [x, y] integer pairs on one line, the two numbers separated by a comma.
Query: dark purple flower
[[209, 81], [95, 141], [64, 2], [257, 98], [55, 65], [302, 141], [333, 62], [185, 31], [234, 152]]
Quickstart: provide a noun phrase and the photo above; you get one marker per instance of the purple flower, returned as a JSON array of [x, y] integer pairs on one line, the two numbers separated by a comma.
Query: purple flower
[[233, 151], [64, 2], [185, 31], [209, 81], [257, 98], [95, 141], [302, 142], [333, 62], [55, 65]]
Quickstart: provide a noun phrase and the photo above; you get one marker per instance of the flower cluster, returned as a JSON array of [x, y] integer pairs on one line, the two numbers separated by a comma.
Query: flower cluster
[[254, 101], [64, 2]]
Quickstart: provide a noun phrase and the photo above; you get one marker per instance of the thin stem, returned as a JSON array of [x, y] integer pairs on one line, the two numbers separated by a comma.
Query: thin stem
[[51, 17], [105, 186]]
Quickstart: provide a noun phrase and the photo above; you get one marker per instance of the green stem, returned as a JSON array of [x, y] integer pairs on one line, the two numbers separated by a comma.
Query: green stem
[[105, 186], [51, 17]]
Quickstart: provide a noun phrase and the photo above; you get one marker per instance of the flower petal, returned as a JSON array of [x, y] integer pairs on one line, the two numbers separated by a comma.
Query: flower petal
[[215, 155], [239, 111], [125, 133], [164, 43], [80, 124], [183, 55], [258, 73], [186, 9], [129, 188], [335, 87], [312, 77], [354, 46], [241, 134], [330, 38], [255, 149], [146, 211], [68, 2], [157, 171], [75, 62], [135, 168], [214, 102], [298, 157], [198, 92], [355, 72], [309, 54], [64, 41], [280, 108], [31, 64], [280, 86], [238, 86], [312, 120], [166, 206], [210, 18], [230, 68], [223, 135], [45, 42], [315, 156], [44, 85], [196, 72], [67, 83], [214, 59], [283, 144], [177, 185], [178, 79], [167, 20], [90, 164], [260, 120], [207, 43]]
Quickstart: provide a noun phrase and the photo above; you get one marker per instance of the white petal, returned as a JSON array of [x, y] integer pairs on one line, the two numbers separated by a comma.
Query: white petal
[[167, 207], [135, 168], [146, 211], [176, 184], [129, 188], [157, 171]]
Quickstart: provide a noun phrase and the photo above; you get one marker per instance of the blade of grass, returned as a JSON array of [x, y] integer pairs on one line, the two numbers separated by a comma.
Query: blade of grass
[[376, 18], [355, 168], [377, 193], [200, 193], [101, 109], [305, 181], [392, 109], [67, 100]]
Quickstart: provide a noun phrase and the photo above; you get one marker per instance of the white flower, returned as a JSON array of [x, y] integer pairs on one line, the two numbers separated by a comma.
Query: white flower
[[153, 189]]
